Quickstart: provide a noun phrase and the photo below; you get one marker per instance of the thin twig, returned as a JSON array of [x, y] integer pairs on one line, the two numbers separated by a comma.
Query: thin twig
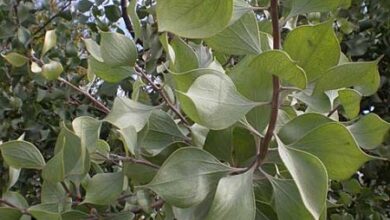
[[66, 5], [162, 93], [133, 160], [23, 211], [333, 111], [101, 106], [276, 90], [68, 192]]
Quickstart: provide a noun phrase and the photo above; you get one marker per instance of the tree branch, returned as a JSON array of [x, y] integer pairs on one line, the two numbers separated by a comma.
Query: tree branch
[[97, 103], [66, 5], [126, 18], [133, 160], [162, 93], [276, 89]]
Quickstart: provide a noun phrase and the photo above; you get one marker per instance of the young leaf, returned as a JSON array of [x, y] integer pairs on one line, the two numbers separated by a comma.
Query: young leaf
[[50, 41], [52, 70], [350, 100], [365, 78], [185, 58], [217, 101], [104, 188], [310, 176], [194, 19], [117, 49], [339, 153], [234, 198], [22, 154], [125, 112], [240, 38], [194, 173], [314, 48], [370, 131], [15, 59]]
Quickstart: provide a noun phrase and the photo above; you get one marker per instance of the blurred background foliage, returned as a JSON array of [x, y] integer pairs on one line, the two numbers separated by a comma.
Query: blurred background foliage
[[33, 108]]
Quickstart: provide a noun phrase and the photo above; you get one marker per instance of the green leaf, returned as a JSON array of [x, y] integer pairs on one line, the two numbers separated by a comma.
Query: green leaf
[[9, 213], [50, 41], [74, 215], [129, 139], [139, 173], [288, 201], [234, 198], [310, 176], [185, 58], [55, 193], [350, 100], [316, 102], [94, 49], [16, 199], [161, 132], [102, 148], [112, 12], [240, 8], [88, 129], [45, 211], [370, 131], [339, 153], [194, 19], [314, 48], [15, 59], [278, 63], [104, 188], [297, 128], [135, 21], [84, 5], [365, 78], [71, 159], [248, 80], [112, 74], [13, 176], [22, 154], [194, 173], [52, 70], [240, 38], [217, 101], [126, 112], [306, 6], [117, 49]]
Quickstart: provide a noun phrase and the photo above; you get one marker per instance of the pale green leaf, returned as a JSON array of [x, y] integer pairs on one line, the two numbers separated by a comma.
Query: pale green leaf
[[13, 176], [88, 129], [129, 139], [49, 42], [194, 173], [52, 70], [104, 188], [339, 153], [102, 152], [314, 48], [234, 198], [44, 211], [93, 49], [139, 173], [316, 102], [297, 128], [132, 12], [365, 78], [117, 49], [370, 131], [255, 85], [194, 18], [22, 154], [112, 74], [185, 58], [288, 201], [350, 100], [15, 59], [126, 112], [217, 101], [74, 215], [240, 38], [240, 7], [310, 176], [278, 63]]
